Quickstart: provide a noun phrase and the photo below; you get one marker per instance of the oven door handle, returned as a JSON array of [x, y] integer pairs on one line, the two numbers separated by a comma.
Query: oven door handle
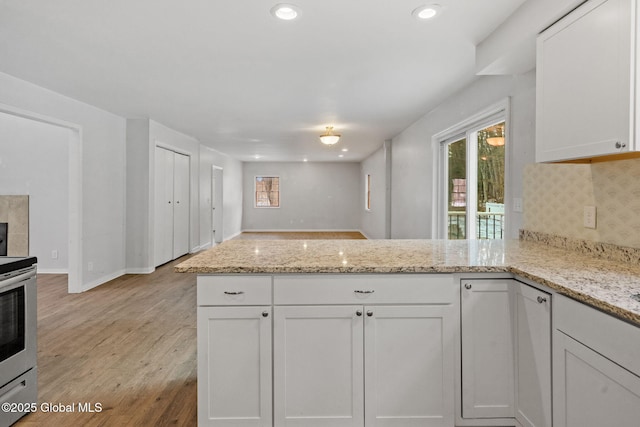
[[14, 282]]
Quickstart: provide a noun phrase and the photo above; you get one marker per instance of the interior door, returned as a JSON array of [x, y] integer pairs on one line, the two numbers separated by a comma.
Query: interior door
[[163, 223], [181, 205]]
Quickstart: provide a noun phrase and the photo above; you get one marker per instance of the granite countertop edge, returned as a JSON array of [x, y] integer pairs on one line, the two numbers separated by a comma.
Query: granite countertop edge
[[603, 284]]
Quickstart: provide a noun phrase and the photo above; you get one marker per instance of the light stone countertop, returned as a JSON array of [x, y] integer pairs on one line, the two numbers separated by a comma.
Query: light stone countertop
[[604, 284]]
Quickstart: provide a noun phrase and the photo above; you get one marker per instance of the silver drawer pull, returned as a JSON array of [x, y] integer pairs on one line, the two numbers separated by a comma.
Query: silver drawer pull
[[541, 299], [358, 291], [233, 292]]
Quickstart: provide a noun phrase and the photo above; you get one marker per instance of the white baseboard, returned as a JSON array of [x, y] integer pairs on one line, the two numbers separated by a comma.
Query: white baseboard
[[102, 280], [147, 270], [233, 235]]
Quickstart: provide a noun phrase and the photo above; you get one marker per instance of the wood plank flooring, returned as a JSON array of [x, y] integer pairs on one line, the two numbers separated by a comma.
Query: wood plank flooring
[[129, 345]]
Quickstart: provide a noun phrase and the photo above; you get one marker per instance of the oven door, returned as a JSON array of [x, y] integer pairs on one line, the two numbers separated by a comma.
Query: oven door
[[18, 318]]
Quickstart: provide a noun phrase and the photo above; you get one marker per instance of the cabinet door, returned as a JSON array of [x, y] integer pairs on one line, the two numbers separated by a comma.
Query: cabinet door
[[234, 366], [409, 366], [318, 366], [590, 390], [533, 334], [180, 205], [488, 364], [583, 83]]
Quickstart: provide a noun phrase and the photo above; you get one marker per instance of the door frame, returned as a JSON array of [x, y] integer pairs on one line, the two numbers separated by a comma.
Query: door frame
[[75, 273], [217, 193]]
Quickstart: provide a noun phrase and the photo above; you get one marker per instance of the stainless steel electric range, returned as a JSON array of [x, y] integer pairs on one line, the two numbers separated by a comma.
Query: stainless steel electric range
[[18, 331]]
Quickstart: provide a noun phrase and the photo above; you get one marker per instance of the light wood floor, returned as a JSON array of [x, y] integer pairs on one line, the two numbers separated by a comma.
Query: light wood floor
[[307, 235], [129, 345]]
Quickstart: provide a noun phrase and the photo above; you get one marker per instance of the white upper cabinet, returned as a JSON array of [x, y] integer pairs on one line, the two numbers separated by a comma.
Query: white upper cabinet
[[586, 78]]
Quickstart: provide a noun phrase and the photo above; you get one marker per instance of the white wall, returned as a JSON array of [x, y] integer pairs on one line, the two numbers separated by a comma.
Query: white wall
[[34, 161], [232, 194], [412, 164], [103, 173], [372, 222], [313, 196]]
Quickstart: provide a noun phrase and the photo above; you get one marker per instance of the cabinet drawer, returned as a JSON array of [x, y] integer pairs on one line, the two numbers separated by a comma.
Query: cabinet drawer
[[609, 336], [364, 289], [234, 290]]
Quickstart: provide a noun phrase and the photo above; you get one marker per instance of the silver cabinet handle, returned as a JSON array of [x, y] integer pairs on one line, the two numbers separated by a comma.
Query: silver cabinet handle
[[265, 314], [541, 300], [359, 313], [369, 313], [233, 292], [358, 291], [467, 286]]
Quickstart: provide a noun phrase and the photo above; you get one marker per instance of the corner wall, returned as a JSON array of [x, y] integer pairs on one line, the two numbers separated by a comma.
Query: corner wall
[[413, 158]]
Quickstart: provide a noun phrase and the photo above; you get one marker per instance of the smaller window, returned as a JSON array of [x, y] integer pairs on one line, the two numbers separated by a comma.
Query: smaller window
[[267, 192], [368, 200]]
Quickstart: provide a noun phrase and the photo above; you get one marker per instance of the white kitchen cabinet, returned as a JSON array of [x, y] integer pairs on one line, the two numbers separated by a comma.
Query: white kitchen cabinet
[[234, 351], [409, 366], [318, 366], [346, 358], [488, 361], [586, 71], [171, 224], [596, 368], [533, 356], [506, 353]]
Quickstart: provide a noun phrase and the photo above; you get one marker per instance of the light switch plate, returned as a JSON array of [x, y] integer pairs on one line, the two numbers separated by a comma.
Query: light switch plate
[[589, 217]]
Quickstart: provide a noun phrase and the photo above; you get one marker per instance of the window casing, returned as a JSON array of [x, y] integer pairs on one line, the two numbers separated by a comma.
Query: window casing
[[267, 191], [368, 192], [470, 177]]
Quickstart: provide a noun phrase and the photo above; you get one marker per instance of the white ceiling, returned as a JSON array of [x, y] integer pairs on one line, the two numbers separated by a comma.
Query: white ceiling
[[244, 83]]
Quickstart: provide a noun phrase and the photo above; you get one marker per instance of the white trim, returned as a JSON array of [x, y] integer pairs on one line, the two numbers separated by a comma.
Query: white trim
[[496, 111], [102, 280], [75, 271], [139, 270]]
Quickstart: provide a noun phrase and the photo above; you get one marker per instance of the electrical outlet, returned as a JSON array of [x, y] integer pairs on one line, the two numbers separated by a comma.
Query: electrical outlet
[[517, 204], [589, 217], [54, 254]]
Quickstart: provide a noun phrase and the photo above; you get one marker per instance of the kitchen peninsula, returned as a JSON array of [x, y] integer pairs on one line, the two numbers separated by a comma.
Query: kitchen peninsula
[[390, 332]]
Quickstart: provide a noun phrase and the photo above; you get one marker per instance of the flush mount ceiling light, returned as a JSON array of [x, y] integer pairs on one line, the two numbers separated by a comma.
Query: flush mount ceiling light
[[425, 12], [495, 136], [328, 137], [286, 12]]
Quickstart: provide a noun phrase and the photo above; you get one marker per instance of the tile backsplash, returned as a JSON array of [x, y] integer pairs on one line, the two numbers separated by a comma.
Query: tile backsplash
[[555, 196], [14, 210]]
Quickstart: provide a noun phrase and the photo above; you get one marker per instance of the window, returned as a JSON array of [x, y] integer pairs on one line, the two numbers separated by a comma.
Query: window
[[471, 196], [267, 192], [368, 193]]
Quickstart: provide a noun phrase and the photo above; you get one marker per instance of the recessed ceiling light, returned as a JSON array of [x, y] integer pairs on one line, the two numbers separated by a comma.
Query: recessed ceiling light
[[345, 149], [285, 11], [257, 156], [426, 11], [340, 155], [305, 160]]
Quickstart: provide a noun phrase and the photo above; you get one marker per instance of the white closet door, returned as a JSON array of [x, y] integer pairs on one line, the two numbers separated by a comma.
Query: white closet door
[[163, 246], [181, 205]]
